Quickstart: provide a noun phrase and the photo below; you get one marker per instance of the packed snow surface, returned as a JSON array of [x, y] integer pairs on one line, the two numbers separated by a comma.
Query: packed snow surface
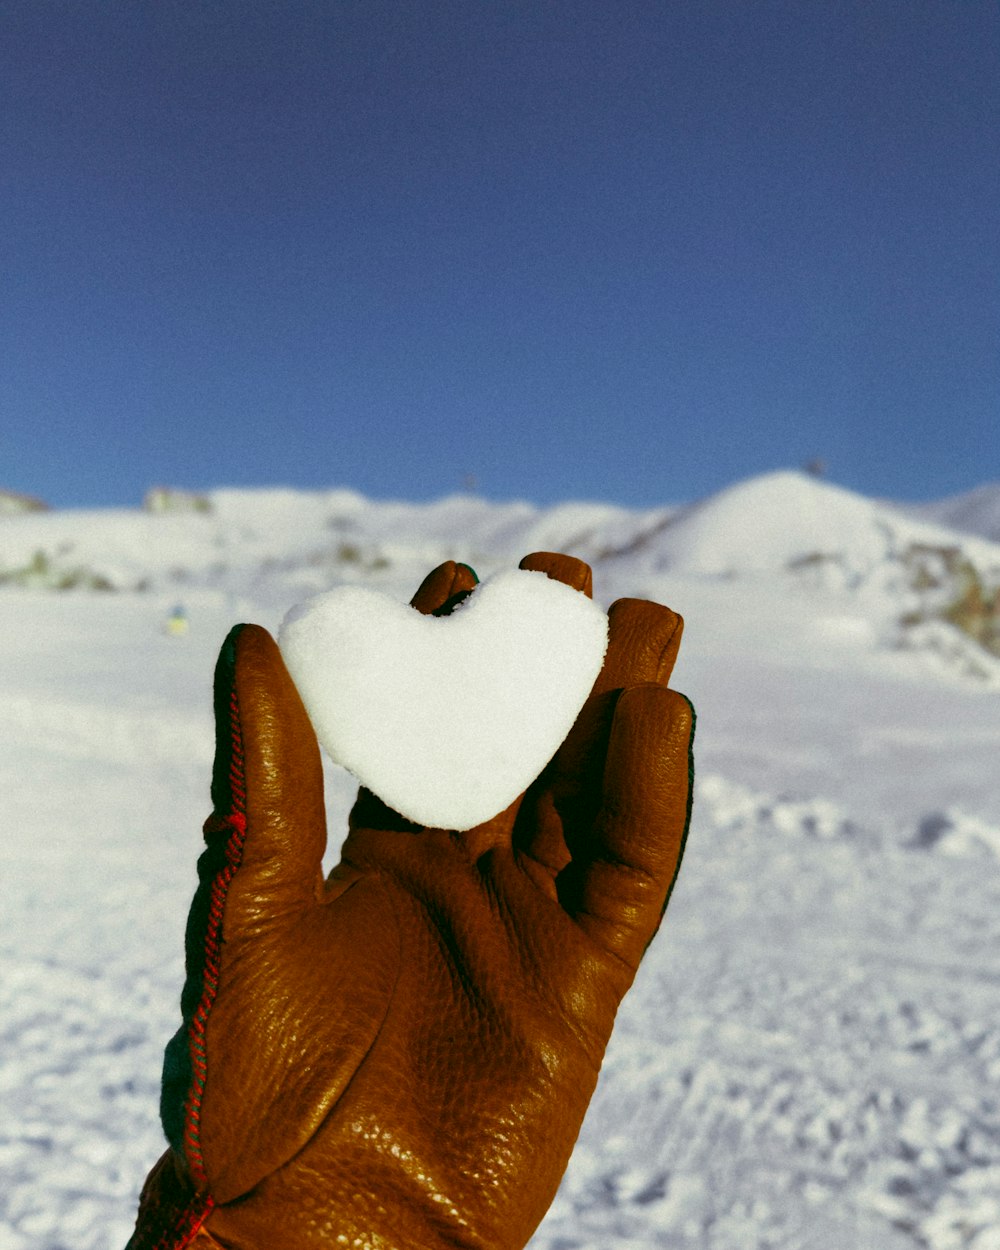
[[446, 718], [810, 1057]]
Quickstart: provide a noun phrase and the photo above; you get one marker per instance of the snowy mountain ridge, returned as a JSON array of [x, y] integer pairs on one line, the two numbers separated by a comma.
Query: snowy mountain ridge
[[778, 521], [929, 587]]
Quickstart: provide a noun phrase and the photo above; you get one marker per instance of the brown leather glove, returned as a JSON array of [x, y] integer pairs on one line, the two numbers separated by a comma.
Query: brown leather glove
[[400, 1057]]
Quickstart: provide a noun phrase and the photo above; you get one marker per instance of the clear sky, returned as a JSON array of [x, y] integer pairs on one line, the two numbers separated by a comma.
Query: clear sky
[[620, 251]]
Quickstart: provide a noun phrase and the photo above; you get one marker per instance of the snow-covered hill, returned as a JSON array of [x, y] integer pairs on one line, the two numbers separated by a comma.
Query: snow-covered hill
[[790, 522], [782, 521], [249, 536], [811, 1055], [923, 586], [974, 512]]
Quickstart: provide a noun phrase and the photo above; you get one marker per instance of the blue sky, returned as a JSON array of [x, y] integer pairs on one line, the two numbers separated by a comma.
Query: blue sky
[[629, 252]]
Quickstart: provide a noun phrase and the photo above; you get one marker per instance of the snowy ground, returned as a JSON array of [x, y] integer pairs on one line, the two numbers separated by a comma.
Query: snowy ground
[[810, 1059]]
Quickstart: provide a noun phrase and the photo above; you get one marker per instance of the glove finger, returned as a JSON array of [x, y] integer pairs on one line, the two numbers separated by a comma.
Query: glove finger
[[557, 822], [443, 588], [561, 568], [264, 849], [267, 783], [619, 892], [643, 641]]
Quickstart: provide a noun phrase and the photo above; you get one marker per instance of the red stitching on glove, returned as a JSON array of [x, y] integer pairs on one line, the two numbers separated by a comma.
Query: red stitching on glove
[[186, 1227], [237, 822], [170, 1216]]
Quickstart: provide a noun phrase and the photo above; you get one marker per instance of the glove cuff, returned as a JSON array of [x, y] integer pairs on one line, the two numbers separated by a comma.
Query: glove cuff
[[171, 1214]]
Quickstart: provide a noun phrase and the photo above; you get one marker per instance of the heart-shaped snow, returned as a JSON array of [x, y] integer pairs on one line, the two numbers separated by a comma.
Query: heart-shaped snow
[[447, 719]]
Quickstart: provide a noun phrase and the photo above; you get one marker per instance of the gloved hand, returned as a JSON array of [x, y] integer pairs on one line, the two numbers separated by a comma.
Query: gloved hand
[[400, 1057]]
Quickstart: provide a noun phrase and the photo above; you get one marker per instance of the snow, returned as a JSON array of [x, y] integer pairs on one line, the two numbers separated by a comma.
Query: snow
[[447, 719], [787, 522], [810, 1057], [975, 512]]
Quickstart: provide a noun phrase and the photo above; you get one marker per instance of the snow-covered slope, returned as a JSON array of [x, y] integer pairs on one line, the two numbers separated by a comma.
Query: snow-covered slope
[[278, 545], [789, 522], [974, 512], [810, 1057], [253, 538]]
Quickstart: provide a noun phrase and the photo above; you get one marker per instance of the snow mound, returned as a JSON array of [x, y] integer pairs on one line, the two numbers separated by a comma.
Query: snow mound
[[772, 523], [789, 522]]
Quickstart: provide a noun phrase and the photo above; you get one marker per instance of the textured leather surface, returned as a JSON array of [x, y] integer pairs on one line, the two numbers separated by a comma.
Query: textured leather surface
[[400, 1057]]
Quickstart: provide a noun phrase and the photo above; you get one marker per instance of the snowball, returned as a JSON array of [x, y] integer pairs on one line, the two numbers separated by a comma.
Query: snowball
[[447, 719]]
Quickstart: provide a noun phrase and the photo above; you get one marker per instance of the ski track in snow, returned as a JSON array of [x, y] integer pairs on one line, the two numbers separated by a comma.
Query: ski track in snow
[[810, 1057]]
